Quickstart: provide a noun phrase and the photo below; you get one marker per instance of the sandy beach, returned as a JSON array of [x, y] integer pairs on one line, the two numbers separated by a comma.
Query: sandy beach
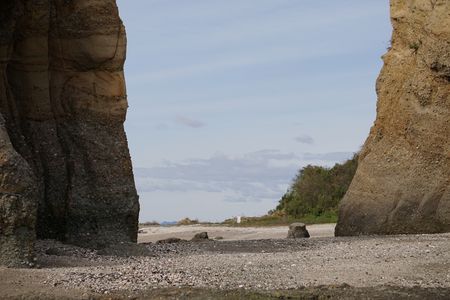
[[155, 233]]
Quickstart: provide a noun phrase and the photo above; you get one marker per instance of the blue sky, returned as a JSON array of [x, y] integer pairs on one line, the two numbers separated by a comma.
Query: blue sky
[[228, 99]]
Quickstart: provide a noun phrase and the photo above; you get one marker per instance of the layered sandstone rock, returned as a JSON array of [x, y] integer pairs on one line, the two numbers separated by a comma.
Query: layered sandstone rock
[[402, 184], [63, 98]]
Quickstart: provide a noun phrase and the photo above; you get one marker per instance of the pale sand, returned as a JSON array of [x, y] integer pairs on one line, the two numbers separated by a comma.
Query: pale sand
[[155, 233]]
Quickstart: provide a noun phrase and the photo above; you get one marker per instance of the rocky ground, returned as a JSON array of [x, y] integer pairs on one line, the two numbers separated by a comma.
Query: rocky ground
[[384, 267]]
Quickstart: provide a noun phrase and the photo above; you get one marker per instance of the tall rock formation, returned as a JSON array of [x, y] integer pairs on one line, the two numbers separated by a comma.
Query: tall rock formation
[[402, 184], [63, 146], [18, 205]]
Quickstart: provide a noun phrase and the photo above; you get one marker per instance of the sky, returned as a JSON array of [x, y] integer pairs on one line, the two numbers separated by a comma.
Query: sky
[[229, 99]]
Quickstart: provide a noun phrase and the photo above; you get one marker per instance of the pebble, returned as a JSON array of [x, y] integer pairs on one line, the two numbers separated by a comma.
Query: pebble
[[267, 264]]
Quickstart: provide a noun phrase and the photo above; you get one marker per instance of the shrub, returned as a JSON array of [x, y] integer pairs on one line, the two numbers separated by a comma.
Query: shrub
[[187, 221], [150, 223], [317, 191], [415, 46]]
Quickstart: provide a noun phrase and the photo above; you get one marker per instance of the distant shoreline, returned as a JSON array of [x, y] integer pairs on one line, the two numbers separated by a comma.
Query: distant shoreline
[[226, 232]]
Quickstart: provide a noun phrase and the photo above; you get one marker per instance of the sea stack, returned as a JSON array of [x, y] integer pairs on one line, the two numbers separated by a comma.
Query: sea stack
[[402, 184], [64, 159]]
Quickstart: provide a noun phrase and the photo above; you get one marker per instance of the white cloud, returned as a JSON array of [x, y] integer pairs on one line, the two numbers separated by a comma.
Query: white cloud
[[189, 122], [328, 157], [253, 177], [305, 139]]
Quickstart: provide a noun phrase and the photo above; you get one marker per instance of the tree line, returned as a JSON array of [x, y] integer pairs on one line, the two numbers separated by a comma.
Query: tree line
[[317, 190]]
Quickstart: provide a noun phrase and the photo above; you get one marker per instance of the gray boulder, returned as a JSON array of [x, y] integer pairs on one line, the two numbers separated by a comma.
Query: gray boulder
[[297, 230], [202, 236]]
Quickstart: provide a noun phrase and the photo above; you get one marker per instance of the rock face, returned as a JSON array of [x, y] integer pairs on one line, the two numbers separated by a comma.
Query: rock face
[[18, 205], [402, 184], [297, 230], [200, 237], [63, 147]]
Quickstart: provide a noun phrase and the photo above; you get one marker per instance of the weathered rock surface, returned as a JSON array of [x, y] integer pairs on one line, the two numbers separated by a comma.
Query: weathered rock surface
[[200, 237], [402, 184], [297, 230], [17, 205], [63, 99]]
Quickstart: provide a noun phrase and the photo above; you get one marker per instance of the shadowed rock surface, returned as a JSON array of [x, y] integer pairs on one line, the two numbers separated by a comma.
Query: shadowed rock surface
[[200, 237], [63, 100], [402, 184], [297, 230], [17, 205]]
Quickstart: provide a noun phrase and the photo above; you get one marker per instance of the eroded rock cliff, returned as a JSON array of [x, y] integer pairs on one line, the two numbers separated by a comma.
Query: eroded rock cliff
[[402, 184], [63, 101]]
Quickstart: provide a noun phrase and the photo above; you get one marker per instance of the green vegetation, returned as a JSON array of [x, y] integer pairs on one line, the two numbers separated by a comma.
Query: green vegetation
[[316, 192], [415, 46], [280, 219], [187, 221], [313, 197], [267, 220], [150, 223]]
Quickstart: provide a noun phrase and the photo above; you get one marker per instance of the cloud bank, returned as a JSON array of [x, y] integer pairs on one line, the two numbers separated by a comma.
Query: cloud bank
[[185, 121], [252, 177], [305, 139]]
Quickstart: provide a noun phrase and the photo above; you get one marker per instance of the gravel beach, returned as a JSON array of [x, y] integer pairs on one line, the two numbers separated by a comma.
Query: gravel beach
[[405, 264]]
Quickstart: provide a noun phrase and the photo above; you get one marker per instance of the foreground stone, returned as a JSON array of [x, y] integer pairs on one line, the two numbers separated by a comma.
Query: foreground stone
[[63, 147], [402, 184], [172, 240], [199, 237], [297, 230]]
